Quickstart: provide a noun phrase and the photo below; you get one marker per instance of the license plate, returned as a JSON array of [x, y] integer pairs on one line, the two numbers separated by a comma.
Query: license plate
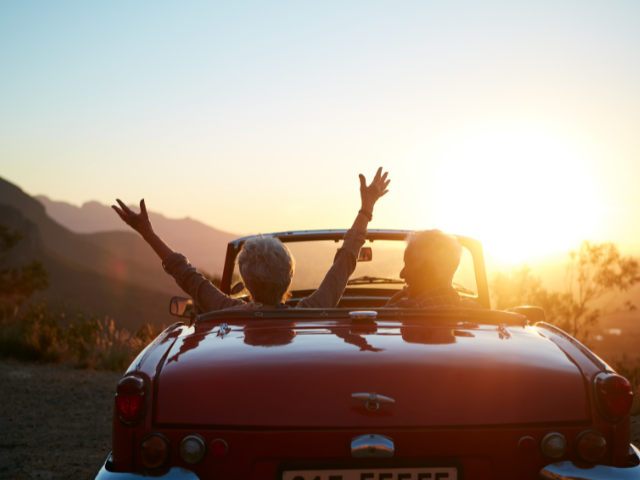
[[429, 473]]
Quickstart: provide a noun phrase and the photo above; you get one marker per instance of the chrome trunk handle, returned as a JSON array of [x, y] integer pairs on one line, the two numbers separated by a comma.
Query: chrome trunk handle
[[373, 400]]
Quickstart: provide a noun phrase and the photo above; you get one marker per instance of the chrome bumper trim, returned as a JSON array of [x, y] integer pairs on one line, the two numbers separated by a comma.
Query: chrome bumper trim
[[571, 471], [175, 473], [372, 445]]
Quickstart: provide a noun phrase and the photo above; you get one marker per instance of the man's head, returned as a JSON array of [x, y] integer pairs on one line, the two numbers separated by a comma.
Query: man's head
[[266, 267], [430, 260]]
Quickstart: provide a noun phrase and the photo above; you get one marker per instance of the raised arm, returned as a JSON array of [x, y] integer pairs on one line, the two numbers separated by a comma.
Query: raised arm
[[369, 195], [140, 223], [332, 287], [192, 282]]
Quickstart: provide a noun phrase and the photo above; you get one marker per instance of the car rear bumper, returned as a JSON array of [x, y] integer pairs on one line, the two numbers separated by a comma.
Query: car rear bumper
[[555, 471], [572, 471], [176, 473]]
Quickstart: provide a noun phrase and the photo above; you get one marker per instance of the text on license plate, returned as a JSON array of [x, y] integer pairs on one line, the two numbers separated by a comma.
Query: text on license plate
[[430, 473]]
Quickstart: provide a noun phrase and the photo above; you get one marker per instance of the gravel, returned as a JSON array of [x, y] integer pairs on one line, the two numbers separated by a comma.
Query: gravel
[[55, 421]]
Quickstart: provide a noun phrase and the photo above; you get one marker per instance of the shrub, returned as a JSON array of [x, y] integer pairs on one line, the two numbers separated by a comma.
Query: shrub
[[37, 334], [17, 284], [100, 345], [593, 272], [632, 373]]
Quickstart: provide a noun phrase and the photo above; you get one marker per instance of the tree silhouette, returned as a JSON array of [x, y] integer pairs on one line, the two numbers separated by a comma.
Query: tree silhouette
[[17, 284], [592, 272]]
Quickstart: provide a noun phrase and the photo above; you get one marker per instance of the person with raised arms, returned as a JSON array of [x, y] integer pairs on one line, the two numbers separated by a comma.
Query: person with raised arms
[[266, 265]]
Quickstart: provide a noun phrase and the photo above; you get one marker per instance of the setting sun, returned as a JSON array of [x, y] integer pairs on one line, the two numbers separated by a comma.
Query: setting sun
[[524, 193]]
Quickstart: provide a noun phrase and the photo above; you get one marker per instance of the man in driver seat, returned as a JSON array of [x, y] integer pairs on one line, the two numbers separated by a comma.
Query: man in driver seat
[[430, 262]]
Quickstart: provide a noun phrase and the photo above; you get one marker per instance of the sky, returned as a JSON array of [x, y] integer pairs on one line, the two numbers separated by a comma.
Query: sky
[[517, 123]]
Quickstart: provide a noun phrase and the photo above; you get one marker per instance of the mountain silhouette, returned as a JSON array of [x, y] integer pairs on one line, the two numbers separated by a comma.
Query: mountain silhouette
[[112, 273], [79, 250], [203, 245], [76, 288]]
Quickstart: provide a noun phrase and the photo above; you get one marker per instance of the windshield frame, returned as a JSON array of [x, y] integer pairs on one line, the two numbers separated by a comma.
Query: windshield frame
[[472, 245]]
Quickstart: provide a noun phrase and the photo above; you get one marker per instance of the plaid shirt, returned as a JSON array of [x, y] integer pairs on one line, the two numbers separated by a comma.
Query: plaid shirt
[[439, 297]]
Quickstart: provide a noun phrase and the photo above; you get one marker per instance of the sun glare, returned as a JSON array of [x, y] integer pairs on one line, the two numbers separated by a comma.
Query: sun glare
[[522, 193]]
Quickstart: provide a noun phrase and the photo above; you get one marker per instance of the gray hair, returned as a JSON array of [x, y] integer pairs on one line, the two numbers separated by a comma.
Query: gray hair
[[266, 267], [439, 249]]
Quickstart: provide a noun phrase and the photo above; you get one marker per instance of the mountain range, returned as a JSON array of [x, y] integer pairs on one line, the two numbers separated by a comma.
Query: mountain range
[[105, 272], [203, 245]]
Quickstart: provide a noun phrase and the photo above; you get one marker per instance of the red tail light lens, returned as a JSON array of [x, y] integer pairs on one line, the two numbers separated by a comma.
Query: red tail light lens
[[591, 446], [219, 448], [131, 399], [154, 450], [613, 396]]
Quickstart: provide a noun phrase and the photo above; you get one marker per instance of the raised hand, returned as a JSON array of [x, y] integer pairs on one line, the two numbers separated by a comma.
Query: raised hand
[[138, 221], [371, 193]]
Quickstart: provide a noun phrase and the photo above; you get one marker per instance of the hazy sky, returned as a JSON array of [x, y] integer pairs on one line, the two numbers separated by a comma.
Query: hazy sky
[[514, 122]]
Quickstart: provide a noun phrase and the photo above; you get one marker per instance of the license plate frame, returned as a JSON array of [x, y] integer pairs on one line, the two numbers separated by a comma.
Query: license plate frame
[[371, 465]]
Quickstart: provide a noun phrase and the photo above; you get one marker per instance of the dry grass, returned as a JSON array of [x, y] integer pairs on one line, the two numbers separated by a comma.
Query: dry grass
[[40, 334]]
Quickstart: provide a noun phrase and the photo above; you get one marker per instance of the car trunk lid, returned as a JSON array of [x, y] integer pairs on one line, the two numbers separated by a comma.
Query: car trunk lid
[[283, 375]]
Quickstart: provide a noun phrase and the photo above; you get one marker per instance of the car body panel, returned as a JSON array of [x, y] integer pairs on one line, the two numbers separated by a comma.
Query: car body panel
[[484, 453], [147, 365], [271, 374], [591, 365]]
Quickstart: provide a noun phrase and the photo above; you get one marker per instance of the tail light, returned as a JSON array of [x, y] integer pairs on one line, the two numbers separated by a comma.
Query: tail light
[[131, 399], [154, 450], [613, 396], [553, 445], [591, 446], [219, 448], [192, 449], [527, 445]]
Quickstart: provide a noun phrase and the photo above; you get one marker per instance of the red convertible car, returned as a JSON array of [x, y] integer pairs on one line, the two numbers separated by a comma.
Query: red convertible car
[[366, 392]]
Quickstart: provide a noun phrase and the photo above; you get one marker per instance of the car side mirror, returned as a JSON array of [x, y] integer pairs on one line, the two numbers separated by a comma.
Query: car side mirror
[[182, 307], [365, 255], [533, 314]]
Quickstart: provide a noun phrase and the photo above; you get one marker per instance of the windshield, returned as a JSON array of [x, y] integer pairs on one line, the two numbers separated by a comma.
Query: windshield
[[314, 258]]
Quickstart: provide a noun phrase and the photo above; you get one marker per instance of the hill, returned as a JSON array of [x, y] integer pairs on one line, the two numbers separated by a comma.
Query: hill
[[205, 246], [64, 245], [79, 289]]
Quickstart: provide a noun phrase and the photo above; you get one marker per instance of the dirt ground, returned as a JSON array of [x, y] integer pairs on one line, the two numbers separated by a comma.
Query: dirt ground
[[55, 421]]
